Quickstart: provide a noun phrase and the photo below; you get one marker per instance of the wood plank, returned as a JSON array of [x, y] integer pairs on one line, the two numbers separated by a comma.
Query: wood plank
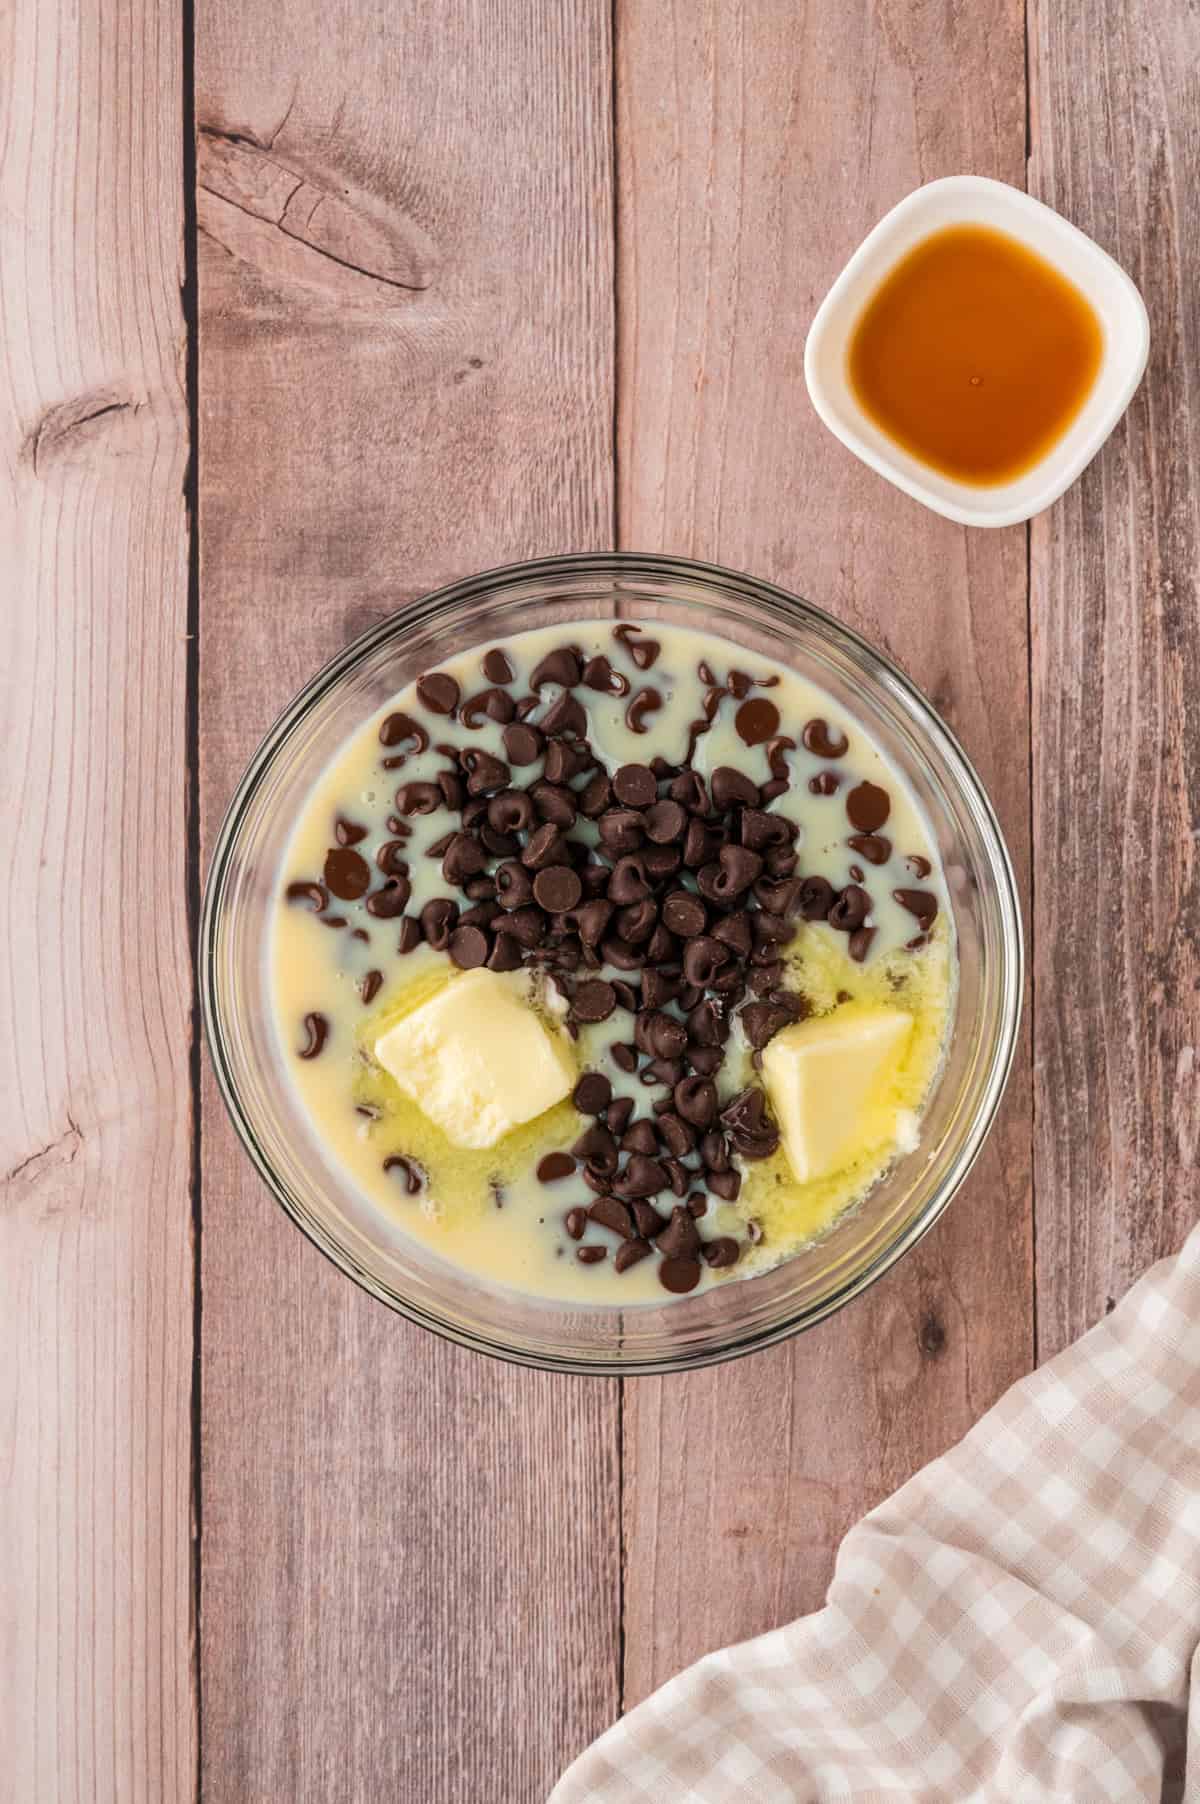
[[756, 145], [410, 1555], [1116, 657], [97, 1699]]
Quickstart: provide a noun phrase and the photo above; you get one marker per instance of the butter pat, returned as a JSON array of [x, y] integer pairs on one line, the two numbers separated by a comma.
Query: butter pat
[[823, 1078], [476, 1060]]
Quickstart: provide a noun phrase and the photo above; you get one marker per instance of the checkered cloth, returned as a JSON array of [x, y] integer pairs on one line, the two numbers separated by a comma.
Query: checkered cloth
[[1019, 1624]]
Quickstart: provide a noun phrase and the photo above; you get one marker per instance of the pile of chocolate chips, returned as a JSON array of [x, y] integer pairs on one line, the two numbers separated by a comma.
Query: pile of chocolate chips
[[690, 895]]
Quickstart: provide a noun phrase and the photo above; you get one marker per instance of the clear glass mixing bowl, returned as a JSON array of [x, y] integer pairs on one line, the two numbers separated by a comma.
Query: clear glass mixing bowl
[[727, 1319]]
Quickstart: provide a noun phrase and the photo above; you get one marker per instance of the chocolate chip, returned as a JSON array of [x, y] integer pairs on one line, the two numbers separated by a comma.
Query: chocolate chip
[[485, 774], [918, 866], [624, 1057], [396, 728], [594, 1000], [438, 921], [620, 954], [314, 894], [505, 954], [666, 822], [591, 920], [721, 1252], [510, 812], [634, 785], [750, 1126], [761, 1021], [592, 1094], [564, 716], [591, 1255], [411, 1174], [348, 833], [496, 667], [628, 881], [513, 884], [689, 791], [731, 787], [757, 721], [469, 947], [663, 1036], [391, 858], [481, 915], [522, 744], [497, 704], [597, 1147], [637, 921], [599, 674], [438, 692], [557, 889], [816, 898], [621, 831], [825, 783], [642, 1137], [642, 1177], [684, 914], [679, 1275], [874, 847], [677, 1136], [660, 862], [618, 1113], [610, 1212], [702, 959], [370, 985], [576, 1222], [410, 936], [464, 857], [546, 846], [736, 933], [732, 874], [851, 909], [647, 701], [919, 902], [559, 666], [868, 807], [696, 1100], [642, 651], [679, 1239], [647, 1220], [386, 903], [663, 948], [554, 1166], [347, 874], [701, 844], [781, 896], [824, 741], [725, 1184], [706, 1024], [316, 1032], [595, 796], [629, 1253]]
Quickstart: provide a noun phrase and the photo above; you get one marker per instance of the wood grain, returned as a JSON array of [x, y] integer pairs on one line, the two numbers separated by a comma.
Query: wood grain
[[1116, 675], [756, 145], [410, 1555], [97, 1695]]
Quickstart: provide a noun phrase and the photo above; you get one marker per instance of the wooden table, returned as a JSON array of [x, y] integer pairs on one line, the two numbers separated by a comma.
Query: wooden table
[[304, 310]]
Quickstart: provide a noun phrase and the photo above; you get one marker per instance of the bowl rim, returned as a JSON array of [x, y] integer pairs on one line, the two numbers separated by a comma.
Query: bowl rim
[[631, 565]]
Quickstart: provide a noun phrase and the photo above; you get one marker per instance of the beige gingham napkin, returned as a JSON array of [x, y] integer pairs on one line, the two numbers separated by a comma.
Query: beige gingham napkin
[[1019, 1623]]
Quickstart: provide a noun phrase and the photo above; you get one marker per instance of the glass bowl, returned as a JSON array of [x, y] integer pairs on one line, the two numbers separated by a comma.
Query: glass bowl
[[726, 1319]]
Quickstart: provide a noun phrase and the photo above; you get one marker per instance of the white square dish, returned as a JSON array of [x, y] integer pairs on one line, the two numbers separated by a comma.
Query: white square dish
[[977, 200]]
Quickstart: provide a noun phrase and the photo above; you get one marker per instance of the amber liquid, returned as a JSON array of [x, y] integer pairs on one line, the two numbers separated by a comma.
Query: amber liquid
[[975, 355]]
